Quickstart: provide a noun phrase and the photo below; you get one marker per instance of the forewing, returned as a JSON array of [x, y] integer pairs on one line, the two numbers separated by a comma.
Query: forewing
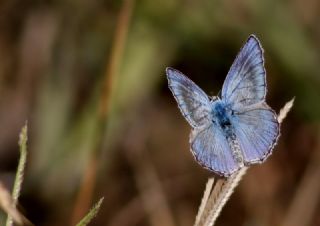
[[192, 101], [211, 149], [245, 83], [257, 131]]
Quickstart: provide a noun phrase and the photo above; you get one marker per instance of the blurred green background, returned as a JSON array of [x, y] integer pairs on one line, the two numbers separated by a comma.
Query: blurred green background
[[89, 76]]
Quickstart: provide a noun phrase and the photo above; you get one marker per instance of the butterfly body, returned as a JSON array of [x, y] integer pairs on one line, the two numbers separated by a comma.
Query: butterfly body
[[237, 129], [221, 115]]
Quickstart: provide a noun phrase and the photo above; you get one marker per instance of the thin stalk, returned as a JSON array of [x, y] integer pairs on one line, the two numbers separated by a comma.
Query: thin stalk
[[218, 197], [92, 214], [20, 171]]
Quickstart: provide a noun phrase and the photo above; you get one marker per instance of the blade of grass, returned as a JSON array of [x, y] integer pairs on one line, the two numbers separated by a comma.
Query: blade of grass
[[22, 163], [92, 213], [20, 171]]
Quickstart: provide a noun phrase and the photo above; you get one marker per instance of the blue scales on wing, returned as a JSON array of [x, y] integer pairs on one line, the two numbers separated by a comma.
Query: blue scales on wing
[[194, 104], [245, 83], [212, 150], [255, 123], [257, 131]]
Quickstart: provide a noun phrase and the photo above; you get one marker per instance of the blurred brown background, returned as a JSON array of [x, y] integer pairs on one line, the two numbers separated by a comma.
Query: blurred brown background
[[89, 76]]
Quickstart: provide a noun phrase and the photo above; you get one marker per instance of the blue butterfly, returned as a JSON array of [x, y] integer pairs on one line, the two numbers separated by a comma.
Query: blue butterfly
[[237, 129]]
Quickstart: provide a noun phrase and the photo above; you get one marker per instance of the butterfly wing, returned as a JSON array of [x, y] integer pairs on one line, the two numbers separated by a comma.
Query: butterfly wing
[[211, 149], [255, 123], [192, 101], [245, 83], [257, 131]]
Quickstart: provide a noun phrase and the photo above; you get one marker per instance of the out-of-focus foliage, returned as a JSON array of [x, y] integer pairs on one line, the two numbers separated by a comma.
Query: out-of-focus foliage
[[55, 58]]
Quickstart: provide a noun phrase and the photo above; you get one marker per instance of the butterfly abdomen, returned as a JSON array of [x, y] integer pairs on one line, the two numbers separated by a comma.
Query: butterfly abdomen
[[221, 117], [236, 150]]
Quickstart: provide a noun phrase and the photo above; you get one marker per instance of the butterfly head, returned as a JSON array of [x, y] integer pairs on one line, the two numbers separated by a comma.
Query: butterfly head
[[214, 98]]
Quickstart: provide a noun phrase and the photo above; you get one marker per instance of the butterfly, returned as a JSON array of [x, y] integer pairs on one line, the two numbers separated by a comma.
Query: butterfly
[[234, 129]]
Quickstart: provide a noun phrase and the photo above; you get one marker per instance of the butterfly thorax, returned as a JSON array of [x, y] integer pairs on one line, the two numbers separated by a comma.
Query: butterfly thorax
[[221, 116]]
